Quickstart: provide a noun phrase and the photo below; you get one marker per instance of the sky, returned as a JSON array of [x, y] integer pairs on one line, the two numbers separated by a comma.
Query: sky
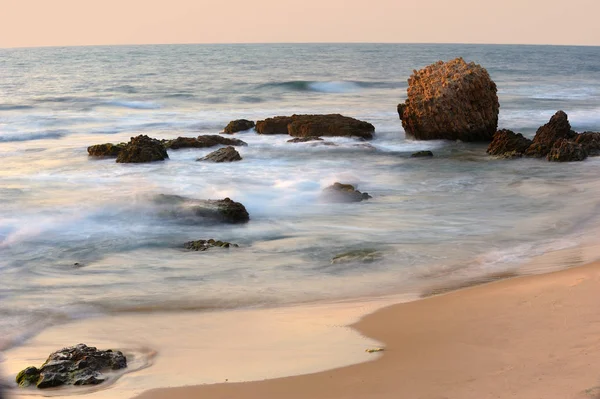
[[32, 23]]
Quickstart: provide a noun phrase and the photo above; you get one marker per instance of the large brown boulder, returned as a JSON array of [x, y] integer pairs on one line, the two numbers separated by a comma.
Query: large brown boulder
[[451, 100], [204, 141], [556, 129], [566, 151], [225, 154], [507, 143], [142, 149], [239, 125], [316, 126], [106, 150], [341, 193]]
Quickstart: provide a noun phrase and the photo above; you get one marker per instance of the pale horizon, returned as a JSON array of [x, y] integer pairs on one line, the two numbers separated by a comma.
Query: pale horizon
[[57, 23]]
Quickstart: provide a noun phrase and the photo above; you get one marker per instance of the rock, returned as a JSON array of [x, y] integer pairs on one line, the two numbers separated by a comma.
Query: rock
[[239, 125], [226, 154], [451, 101], [106, 150], [142, 149], [339, 192], [556, 129], [422, 154], [188, 209], [76, 365], [203, 245], [304, 139], [590, 142], [511, 155], [316, 126], [204, 141], [361, 255], [566, 151], [508, 144]]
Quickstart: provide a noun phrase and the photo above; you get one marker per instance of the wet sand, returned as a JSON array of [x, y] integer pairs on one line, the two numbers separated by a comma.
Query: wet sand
[[531, 337]]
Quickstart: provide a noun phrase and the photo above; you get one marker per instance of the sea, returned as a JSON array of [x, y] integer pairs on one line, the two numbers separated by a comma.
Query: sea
[[83, 238]]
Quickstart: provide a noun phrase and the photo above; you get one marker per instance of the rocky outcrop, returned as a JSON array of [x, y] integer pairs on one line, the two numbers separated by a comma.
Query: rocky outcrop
[[590, 141], [451, 100], [565, 150], [142, 149], [556, 129], [316, 126], [422, 154], [76, 365], [508, 144], [203, 245], [191, 210], [340, 193], [106, 150], [226, 154], [239, 125], [204, 141]]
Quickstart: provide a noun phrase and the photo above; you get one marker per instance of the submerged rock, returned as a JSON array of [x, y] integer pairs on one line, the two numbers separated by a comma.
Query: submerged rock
[[106, 150], [226, 154], [204, 141], [316, 126], [239, 125], [193, 210], [452, 101], [508, 144], [339, 192], [76, 365], [361, 255], [566, 151], [142, 149], [203, 245], [304, 139], [556, 129], [422, 154]]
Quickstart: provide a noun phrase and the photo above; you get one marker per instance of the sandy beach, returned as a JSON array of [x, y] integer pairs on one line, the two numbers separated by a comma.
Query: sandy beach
[[530, 337]]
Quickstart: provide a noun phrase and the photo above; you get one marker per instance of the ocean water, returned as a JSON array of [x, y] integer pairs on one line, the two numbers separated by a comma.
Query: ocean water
[[459, 215]]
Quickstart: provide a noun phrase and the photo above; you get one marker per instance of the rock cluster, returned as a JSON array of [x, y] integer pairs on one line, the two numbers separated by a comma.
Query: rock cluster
[[106, 150], [341, 193], [203, 245], [76, 365], [204, 141], [316, 126], [508, 144], [556, 129], [451, 100], [239, 125], [142, 149], [225, 154]]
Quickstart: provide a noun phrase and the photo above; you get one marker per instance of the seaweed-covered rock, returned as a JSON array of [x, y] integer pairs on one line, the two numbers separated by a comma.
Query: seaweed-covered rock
[[451, 100], [225, 154], [339, 192], [191, 210], [142, 149], [316, 126], [304, 139], [106, 150], [422, 154], [590, 142], [239, 125], [556, 129], [564, 150], [508, 142], [203, 245], [204, 141], [75, 365]]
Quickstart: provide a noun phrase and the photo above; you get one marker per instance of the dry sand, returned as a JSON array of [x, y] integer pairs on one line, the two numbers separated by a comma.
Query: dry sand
[[528, 338]]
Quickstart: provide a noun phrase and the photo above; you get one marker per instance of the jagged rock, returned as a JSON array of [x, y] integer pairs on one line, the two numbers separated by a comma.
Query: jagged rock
[[452, 101], [75, 365], [316, 126], [203, 245], [304, 139], [564, 150], [204, 141], [508, 144], [106, 150], [422, 154], [226, 154], [361, 255], [557, 128], [339, 192], [239, 125], [193, 210], [590, 142], [142, 149]]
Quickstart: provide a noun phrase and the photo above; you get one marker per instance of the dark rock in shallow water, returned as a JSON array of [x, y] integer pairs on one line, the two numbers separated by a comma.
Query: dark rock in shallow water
[[508, 144], [556, 129], [239, 125], [188, 209], [339, 192], [204, 141], [304, 139], [566, 151], [316, 126], [76, 365], [142, 149], [590, 142], [451, 101], [226, 154], [422, 154], [203, 245], [106, 150]]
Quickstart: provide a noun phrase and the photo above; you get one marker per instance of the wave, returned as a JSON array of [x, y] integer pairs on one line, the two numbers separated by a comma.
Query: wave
[[55, 134], [341, 86], [133, 104], [14, 107]]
